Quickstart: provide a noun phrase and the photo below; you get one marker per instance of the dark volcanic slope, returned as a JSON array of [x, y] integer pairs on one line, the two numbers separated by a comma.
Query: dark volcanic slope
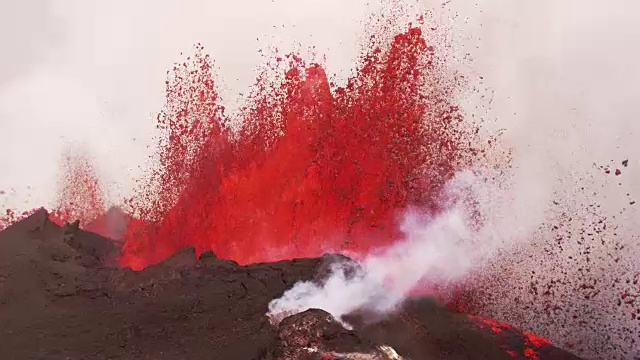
[[58, 301]]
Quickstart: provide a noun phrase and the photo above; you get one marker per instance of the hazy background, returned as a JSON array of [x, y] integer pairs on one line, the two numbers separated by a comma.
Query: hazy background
[[92, 72], [560, 75]]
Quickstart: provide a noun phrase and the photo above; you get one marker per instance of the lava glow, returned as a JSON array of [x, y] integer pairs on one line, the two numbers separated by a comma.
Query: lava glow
[[532, 342], [312, 168]]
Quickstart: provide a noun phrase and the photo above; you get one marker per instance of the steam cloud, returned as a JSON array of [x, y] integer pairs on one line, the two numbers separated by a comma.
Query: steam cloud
[[480, 222]]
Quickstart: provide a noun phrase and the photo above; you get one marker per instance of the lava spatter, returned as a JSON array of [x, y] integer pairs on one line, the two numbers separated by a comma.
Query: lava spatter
[[309, 170], [11, 216], [577, 280], [532, 342], [80, 194]]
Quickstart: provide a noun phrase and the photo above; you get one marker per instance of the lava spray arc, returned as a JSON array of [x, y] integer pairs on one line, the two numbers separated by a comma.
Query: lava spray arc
[[312, 168]]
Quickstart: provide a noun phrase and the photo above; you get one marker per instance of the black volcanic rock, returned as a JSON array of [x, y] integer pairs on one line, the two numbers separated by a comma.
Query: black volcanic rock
[[62, 298], [316, 334]]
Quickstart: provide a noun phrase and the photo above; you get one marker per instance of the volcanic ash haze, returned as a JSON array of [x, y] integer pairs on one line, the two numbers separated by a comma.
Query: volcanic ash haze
[[558, 77]]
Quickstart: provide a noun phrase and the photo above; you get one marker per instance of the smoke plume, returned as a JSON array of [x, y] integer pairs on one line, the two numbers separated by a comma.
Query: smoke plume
[[481, 221]]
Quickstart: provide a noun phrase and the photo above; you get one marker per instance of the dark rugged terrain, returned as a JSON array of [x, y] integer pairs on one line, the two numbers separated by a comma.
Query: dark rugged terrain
[[62, 298]]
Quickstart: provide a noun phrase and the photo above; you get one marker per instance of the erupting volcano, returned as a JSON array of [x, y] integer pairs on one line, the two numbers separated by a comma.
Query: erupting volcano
[[311, 169], [222, 222]]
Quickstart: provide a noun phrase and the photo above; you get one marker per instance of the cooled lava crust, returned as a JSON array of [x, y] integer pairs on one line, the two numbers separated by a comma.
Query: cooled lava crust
[[62, 297]]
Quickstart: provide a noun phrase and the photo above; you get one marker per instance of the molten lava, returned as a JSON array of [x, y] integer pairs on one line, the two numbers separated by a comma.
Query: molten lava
[[311, 169]]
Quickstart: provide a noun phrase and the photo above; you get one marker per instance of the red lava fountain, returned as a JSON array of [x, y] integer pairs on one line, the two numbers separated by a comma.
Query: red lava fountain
[[80, 195], [312, 168]]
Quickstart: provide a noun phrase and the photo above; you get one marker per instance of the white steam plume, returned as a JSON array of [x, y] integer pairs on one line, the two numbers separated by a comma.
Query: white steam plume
[[441, 249]]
